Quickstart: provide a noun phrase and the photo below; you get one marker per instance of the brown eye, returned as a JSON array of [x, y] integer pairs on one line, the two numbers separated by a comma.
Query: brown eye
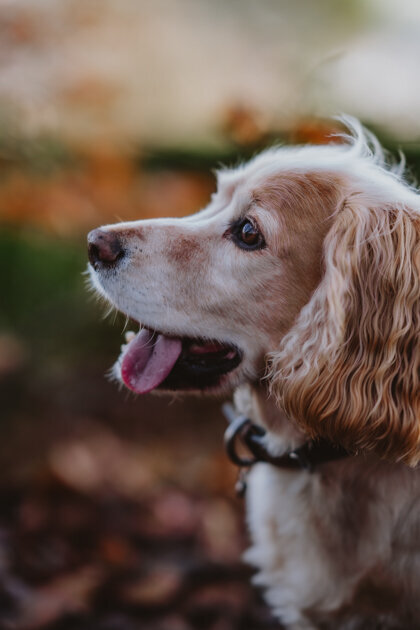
[[249, 234], [246, 235]]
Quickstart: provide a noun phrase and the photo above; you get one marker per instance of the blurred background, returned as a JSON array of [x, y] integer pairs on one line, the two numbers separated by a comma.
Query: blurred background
[[116, 512]]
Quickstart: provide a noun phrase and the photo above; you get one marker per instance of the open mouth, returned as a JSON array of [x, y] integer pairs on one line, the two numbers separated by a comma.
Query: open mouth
[[153, 360]]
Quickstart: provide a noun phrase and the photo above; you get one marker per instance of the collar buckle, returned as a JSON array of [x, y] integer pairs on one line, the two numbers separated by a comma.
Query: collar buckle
[[300, 455], [305, 458]]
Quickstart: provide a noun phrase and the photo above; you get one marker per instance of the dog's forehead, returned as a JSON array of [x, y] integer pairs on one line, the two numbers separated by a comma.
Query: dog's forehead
[[236, 185], [242, 179]]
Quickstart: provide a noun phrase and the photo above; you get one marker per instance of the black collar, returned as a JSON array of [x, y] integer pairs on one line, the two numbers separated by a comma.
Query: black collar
[[306, 457]]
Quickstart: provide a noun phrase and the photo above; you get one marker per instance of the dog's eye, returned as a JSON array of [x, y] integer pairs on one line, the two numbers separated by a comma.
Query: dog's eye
[[247, 235]]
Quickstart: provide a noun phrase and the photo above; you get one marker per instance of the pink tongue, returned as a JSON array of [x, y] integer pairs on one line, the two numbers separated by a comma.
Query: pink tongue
[[147, 362]]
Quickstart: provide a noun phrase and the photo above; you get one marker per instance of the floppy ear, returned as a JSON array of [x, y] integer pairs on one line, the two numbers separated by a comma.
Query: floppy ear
[[348, 370]]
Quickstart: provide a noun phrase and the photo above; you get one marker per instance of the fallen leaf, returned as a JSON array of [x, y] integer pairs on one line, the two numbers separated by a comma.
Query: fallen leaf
[[65, 594]]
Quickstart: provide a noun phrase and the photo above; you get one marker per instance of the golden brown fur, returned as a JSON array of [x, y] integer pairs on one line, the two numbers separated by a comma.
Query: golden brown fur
[[349, 368]]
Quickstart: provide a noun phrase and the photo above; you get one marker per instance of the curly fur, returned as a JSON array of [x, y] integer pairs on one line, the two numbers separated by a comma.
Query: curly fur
[[348, 370]]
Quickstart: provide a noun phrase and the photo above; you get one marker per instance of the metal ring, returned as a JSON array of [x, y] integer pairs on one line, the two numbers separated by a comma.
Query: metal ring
[[232, 432]]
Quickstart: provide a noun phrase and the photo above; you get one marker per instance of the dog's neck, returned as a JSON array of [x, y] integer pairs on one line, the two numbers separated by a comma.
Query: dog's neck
[[255, 402]]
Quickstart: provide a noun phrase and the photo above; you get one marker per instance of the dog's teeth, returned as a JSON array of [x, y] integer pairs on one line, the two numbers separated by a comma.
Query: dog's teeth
[[129, 335]]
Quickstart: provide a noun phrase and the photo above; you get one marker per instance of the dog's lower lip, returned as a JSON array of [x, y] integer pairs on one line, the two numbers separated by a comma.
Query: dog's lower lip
[[205, 348]]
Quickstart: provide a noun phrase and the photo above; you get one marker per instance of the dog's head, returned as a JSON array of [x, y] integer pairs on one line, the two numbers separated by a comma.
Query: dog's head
[[305, 262]]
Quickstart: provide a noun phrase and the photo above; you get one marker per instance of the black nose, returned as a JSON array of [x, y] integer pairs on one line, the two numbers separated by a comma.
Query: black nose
[[104, 247]]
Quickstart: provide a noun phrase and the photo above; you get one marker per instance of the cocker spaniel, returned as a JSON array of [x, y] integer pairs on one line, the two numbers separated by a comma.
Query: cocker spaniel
[[298, 286]]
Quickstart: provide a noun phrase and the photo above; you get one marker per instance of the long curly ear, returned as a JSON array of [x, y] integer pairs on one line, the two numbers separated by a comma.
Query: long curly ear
[[348, 370]]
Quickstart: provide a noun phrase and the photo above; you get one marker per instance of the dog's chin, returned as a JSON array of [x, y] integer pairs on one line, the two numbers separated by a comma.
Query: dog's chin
[[160, 362]]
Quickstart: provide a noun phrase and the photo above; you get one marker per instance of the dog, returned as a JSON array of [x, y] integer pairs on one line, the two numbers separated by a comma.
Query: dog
[[298, 287]]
